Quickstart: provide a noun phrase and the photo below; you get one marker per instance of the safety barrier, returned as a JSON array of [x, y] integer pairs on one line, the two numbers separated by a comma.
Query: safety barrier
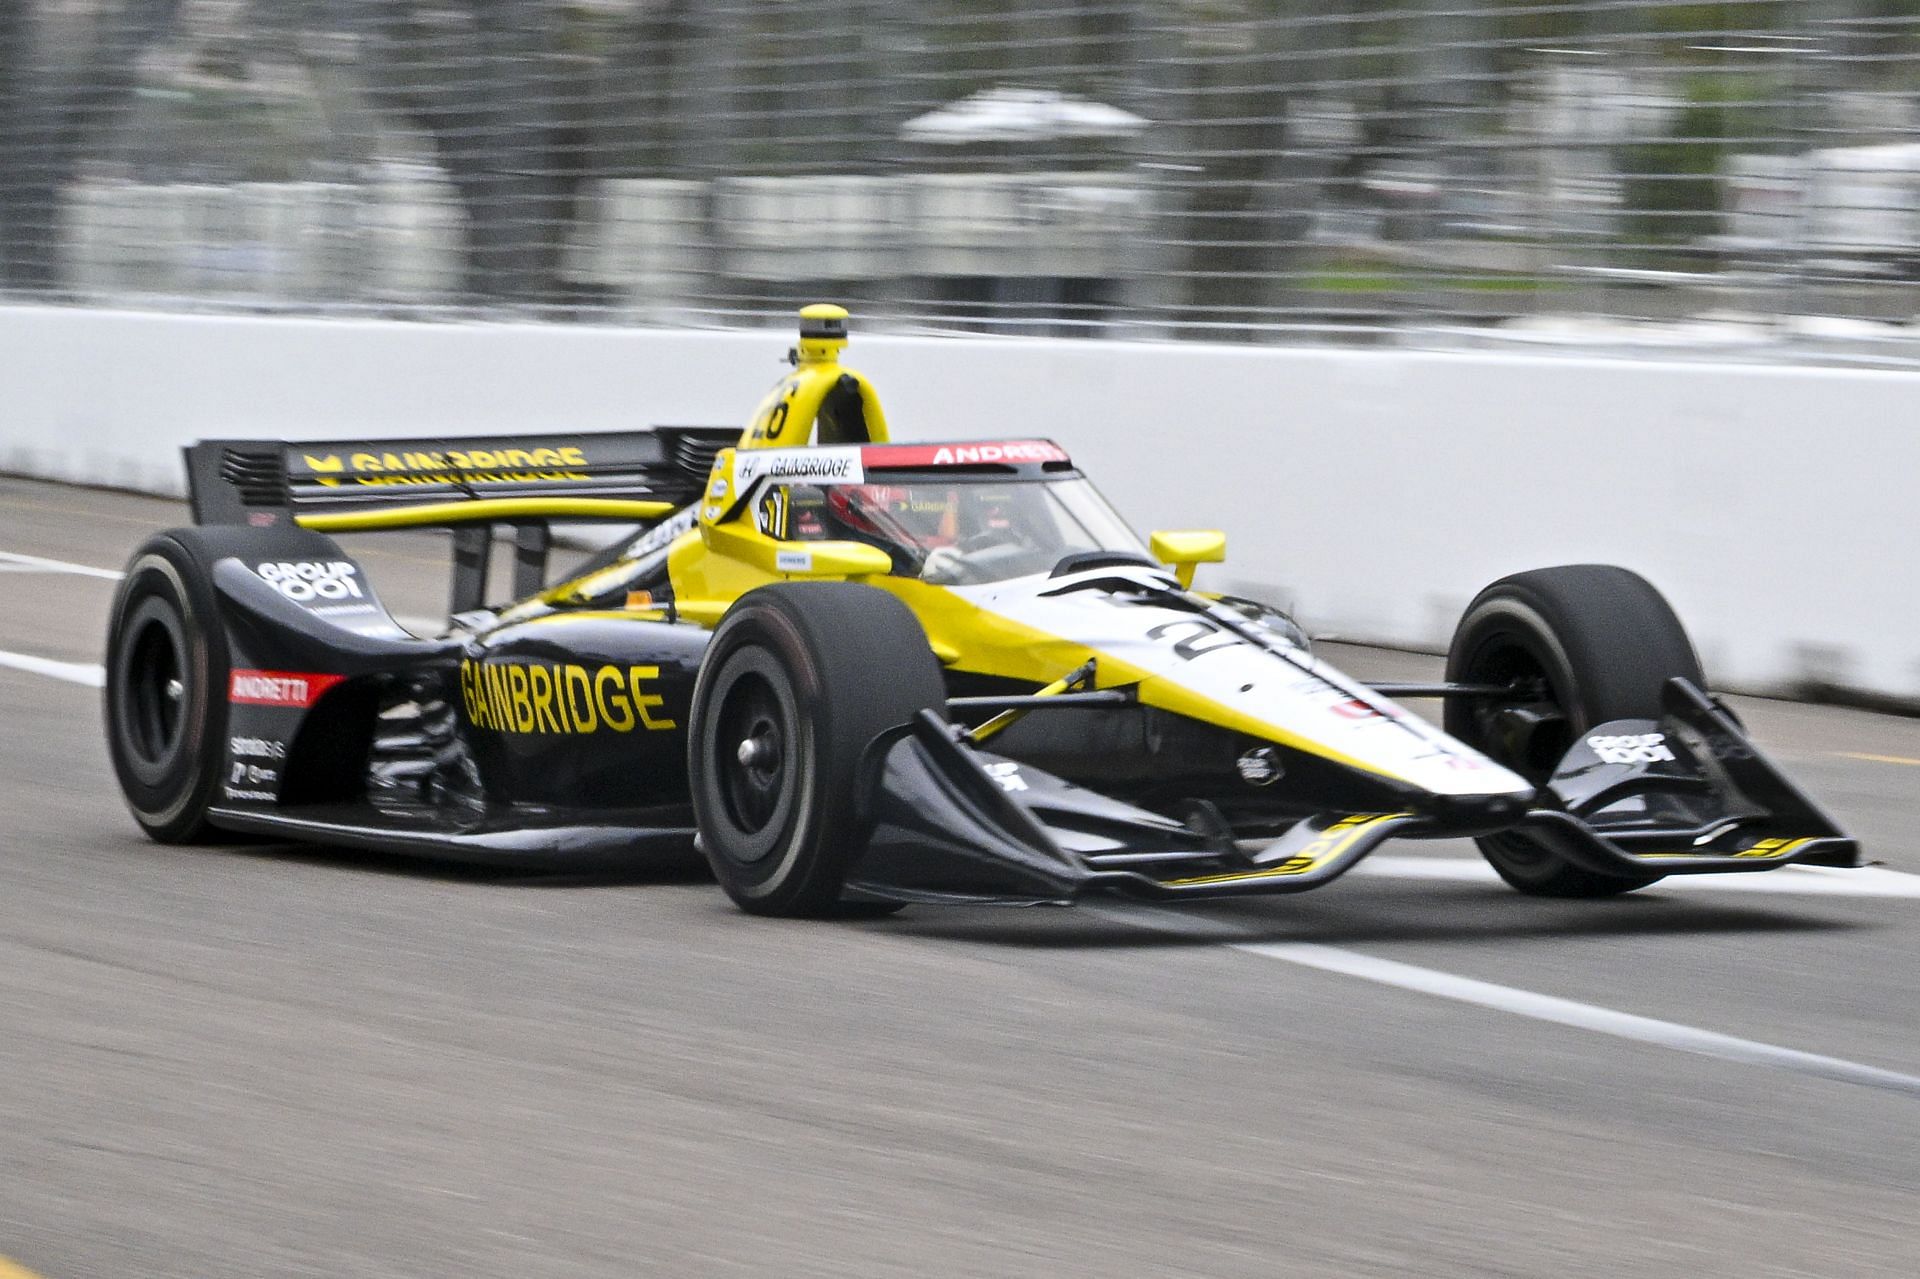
[[1372, 491]]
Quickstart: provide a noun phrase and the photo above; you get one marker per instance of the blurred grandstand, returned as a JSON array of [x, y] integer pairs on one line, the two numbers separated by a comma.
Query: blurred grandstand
[[1741, 177]]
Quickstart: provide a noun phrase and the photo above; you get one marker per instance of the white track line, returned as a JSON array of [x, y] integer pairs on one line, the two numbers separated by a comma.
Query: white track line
[[72, 672], [1805, 881], [1511, 999], [12, 561], [1568, 1012]]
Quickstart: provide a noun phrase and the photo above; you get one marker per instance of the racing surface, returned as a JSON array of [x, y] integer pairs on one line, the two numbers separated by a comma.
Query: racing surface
[[263, 1061]]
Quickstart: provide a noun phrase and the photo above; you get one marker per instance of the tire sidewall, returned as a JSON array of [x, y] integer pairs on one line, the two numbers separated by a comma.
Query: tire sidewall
[[168, 796], [758, 866]]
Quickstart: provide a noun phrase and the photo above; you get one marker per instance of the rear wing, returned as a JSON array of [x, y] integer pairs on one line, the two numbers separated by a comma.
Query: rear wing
[[471, 484]]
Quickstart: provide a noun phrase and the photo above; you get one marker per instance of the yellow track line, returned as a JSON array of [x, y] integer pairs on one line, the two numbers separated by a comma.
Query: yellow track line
[[14, 1270], [1880, 759]]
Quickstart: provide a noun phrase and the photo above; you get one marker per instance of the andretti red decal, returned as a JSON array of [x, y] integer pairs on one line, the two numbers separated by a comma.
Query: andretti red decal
[[1009, 451], [278, 688]]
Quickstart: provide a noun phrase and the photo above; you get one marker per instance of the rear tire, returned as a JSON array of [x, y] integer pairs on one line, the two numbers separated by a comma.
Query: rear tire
[[166, 691], [1593, 643], [798, 681]]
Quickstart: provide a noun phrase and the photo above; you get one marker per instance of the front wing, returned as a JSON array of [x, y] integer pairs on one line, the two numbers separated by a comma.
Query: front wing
[[1688, 794]]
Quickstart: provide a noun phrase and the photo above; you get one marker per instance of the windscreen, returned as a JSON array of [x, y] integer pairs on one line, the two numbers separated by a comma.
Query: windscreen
[[955, 532]]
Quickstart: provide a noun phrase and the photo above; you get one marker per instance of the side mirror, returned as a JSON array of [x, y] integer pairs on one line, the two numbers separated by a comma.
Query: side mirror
[[1186, 549], [830, 559]]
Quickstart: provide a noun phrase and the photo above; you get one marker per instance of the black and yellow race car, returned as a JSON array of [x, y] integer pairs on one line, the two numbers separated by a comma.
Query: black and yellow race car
[[859, 673]]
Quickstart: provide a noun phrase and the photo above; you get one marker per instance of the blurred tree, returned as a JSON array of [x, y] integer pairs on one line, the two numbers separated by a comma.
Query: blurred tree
[[1248, 189], [1672, 191], [484, 80], [17, 46], [527, 101], [56, 101]]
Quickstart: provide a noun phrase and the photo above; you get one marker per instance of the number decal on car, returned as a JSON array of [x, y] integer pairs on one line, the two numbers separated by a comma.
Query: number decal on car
[[1194, 645]]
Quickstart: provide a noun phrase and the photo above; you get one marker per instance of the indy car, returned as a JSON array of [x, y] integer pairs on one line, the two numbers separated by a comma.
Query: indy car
[[859, 673]]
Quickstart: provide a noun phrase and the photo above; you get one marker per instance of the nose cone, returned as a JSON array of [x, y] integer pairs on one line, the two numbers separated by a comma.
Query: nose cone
[[1476, 814]]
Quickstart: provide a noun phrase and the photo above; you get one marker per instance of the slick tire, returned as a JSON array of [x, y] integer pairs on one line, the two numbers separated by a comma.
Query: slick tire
[[1596, 643], [166, 689], [798, 681]]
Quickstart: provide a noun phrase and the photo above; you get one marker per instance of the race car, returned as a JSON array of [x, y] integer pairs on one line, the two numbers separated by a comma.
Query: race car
[[859, 673]]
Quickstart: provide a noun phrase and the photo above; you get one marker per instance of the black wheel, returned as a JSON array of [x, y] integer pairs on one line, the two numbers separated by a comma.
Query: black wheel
[[799, 679], [1586, 643], [166, 695]]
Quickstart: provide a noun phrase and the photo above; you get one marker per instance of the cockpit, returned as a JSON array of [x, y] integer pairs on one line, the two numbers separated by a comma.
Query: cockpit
[[954, 530]]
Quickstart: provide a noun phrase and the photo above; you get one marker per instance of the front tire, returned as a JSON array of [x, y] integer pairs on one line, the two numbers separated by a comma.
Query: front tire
[[798, 681], [166, 692], [1588, 643]]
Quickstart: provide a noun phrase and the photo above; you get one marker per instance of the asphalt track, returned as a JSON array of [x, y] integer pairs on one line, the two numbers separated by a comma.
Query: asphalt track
[[286, 1062]]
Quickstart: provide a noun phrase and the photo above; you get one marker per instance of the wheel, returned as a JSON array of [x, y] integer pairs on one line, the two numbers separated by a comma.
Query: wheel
[[166, 691], [799, 679], [1587, 643]]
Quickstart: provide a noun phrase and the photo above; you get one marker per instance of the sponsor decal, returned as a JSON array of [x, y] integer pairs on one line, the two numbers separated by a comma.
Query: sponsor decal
[[253, 774], [375, 622], [256, 748], [561, 699], [234, 792], [263, 519], [770, 516], [1317, 852], [1259, 766], [305, 580], [841, 465], [1774, 848], [1007, 773], [661, 534], [1631, 748], [1009, 451], [1330, 843], [793, 561], [453, 466], [278, 688], [1354, 708]]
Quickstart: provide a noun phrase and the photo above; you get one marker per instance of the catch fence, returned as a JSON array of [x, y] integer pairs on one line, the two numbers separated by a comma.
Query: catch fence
[[1735, 177]]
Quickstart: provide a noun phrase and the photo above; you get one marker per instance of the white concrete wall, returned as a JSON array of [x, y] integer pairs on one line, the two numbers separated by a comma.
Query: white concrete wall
[[1373, 491]]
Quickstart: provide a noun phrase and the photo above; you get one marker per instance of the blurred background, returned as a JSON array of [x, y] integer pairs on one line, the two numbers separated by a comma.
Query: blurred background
[[1736, 177]]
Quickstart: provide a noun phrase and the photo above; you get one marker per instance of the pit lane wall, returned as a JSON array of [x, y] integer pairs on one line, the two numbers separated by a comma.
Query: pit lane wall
[[1372, 491]]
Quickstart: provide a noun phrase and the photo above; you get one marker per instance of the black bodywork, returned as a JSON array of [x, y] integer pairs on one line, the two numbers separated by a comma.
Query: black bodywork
[[562, 738]]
